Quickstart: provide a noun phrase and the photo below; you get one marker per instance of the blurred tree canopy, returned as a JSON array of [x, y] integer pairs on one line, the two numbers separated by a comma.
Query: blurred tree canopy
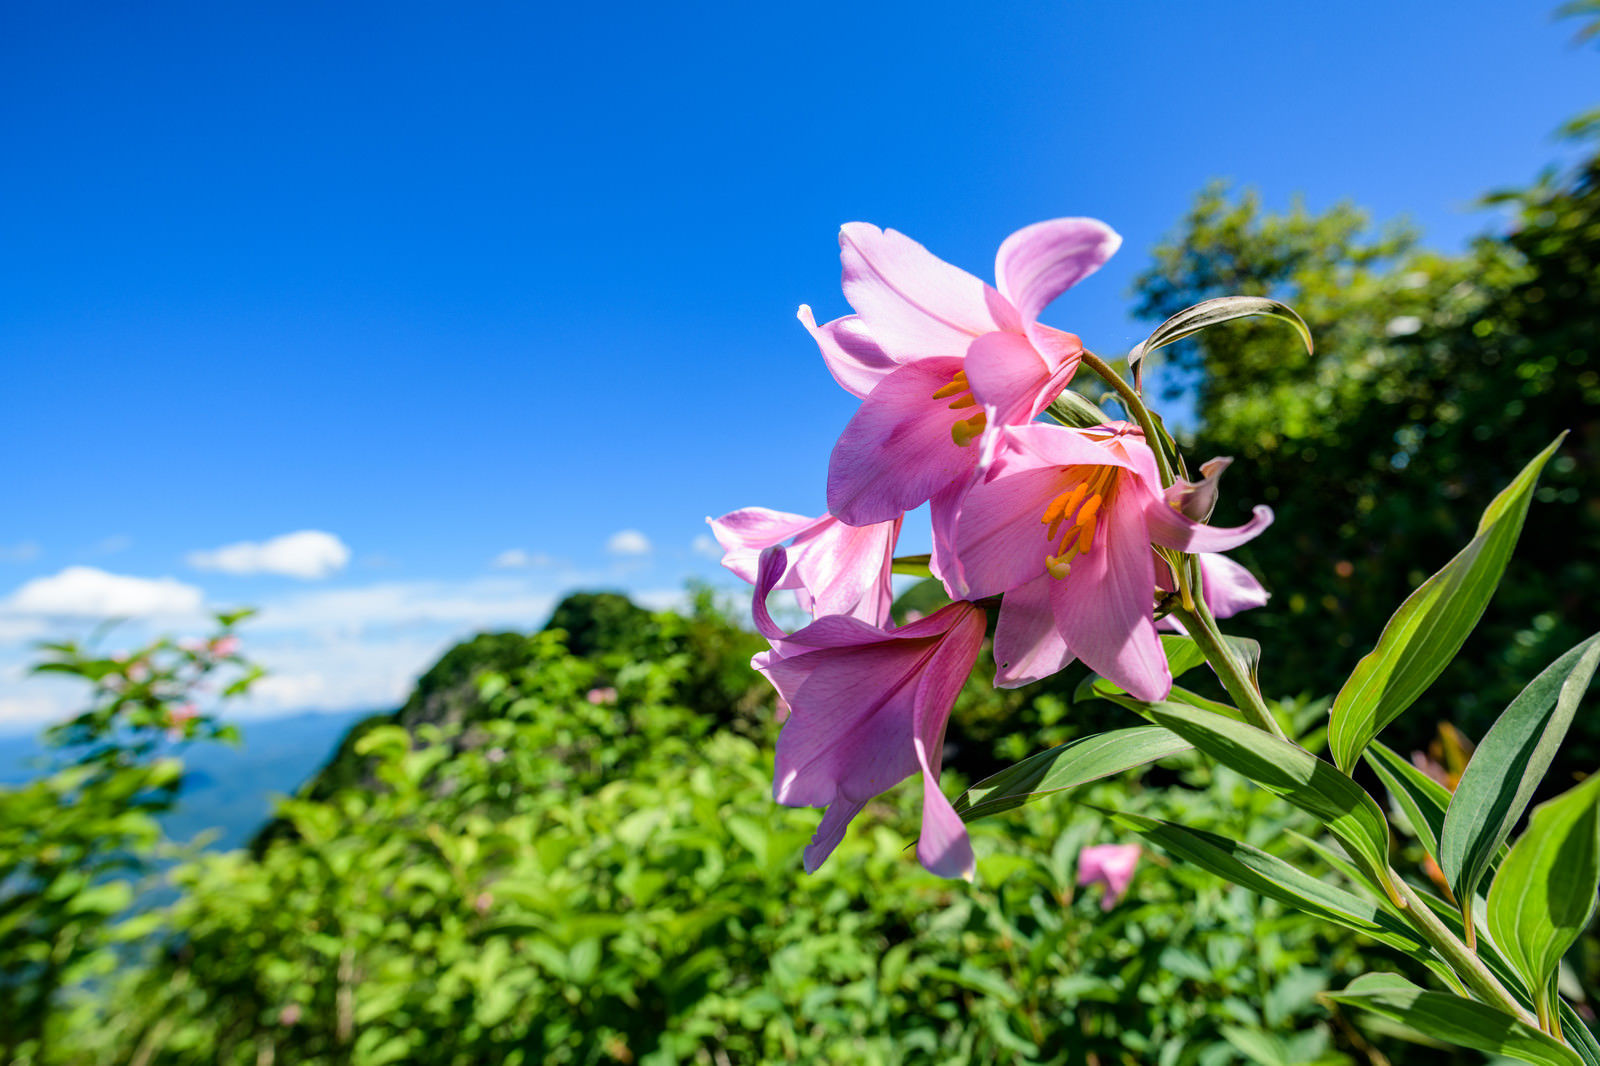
[[1436, 377]]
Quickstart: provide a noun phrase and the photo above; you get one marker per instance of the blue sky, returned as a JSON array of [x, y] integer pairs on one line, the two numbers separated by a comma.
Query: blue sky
[[448, 283]]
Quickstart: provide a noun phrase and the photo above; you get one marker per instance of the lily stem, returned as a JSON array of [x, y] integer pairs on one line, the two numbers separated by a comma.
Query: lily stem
[[1203, 629], [1467, 965], [1135, 406]]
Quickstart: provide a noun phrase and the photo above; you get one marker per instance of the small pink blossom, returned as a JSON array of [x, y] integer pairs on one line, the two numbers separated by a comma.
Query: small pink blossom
[[1111, 865], [223, 647], [602, 696], [868, 708], [290, 1015]]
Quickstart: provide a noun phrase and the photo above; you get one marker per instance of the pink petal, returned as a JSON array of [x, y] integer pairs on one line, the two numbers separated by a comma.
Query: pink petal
[[1006, 375], [1197, 499], [1028, 645], [913, 303], [1040, 262], [745, 533], [1038, 444], [1105, 606], [1111, 865], [897, 451], [1229, 587], [1173, 530], [1000, 540], [944, 848], [846, 569], [853, 358], [835, 821]]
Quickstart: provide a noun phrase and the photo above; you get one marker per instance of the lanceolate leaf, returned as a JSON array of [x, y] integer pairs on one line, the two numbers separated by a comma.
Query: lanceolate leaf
[[1545, 889], [1293, 773], [1271, 876], [1459, 1021], [913, 565], [1423, 799], [1578, 1035], [1073, 408], [1426, 632], [1509, 764], [1068, 766], [1209, 312]]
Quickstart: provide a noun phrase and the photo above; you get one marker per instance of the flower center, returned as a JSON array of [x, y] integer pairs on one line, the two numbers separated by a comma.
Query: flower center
[[1074, 515], [965, 431]]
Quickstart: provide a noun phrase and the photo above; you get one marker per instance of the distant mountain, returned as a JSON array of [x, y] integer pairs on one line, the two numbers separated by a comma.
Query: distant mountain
[[229, 789]]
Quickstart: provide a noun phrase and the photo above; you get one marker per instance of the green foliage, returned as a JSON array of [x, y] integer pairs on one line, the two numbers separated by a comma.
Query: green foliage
[[76, 843], [1434, 378], [568, 874]]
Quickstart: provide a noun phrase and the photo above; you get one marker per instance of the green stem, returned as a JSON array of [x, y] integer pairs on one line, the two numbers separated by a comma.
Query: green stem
[[1203, 629], [1135, 406], [1466, 963]]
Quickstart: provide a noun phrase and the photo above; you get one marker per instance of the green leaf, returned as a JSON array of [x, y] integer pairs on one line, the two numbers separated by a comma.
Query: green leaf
[[1426, 632], [1074, 409], [1509, 764], [1423, 799], [1545, 890], [1068, 766], [1293, 773], [1192, 320], [1464, 1022], [1578, 1035], [1270, 876], [1182, 653]]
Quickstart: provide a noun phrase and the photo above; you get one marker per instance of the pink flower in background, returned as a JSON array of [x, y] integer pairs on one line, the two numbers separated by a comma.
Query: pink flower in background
[[1063, 527], [1111, 865], [223, 647], [178, 720], [602, 697], [833, 568], [1228, 588], [867, 709], [939, 356]]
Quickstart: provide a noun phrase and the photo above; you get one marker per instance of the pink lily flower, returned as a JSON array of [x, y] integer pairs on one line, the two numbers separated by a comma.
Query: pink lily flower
[[939, 357], [1063, 526], [1111, 865], [868, 708], [833, 568], [1228, 588]]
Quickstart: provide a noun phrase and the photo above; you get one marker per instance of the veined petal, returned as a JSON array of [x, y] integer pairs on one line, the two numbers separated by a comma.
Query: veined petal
[[840, 813], [745, 533], [897, 451], [943, 846], [1000, 539], [1197, 499], [1038, 444], [854, 359], [846, 569], [1171, 529], [1104, 607], [1028, 645], [1040, 262], [1006, 375], [913, 303]]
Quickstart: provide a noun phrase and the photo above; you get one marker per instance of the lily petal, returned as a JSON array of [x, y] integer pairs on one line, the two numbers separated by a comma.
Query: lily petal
[[1104, 606], [853, 357], [1229, 587], [1040, 262], [913, 303], [1028, 646], [1170, 529], [897, 451]]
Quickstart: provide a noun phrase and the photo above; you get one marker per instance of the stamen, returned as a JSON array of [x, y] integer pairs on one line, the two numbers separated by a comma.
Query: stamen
[[958, 384], [1079, 515], [968, 400], [964, 433]]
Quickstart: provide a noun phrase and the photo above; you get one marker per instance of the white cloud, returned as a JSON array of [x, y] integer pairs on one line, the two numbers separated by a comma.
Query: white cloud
[[18, 553], [459, 605], [517, 559], [705, 544], [341, 675], [629, 542], [309, 555], [86, 592]]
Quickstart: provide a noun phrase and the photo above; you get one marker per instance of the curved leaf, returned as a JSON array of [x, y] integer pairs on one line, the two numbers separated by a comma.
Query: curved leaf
[[1508, 766], [1544, 893], [1426, 632], [1068, 766], [1423, 799], [1293, 773], [1210, 312], [1270, 876], [1464, 1022]]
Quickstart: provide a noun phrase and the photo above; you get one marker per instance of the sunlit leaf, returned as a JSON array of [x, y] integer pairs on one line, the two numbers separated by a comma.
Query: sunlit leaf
[[1426, 632], [1509, 764], [1192, 320], [1068, 766]]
